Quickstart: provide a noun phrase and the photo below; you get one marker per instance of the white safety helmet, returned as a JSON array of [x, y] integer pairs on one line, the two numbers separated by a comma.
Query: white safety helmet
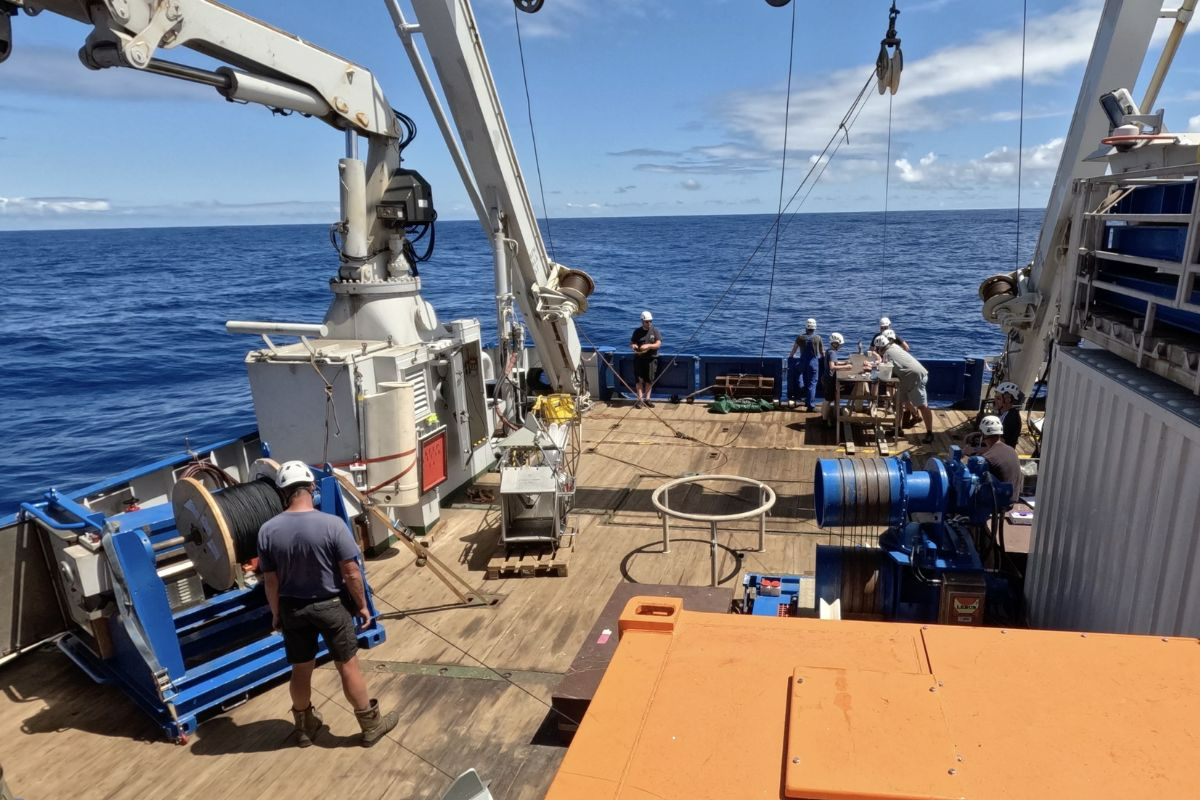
[[991, 426], [884, 322], [837, 338], [810, 324], [1009, 388], [889, 334], [647, 316], [294, 473], [881, 342]]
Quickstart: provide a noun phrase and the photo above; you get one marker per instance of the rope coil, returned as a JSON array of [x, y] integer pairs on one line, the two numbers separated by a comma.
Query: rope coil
[[245, 507], [220, 526]]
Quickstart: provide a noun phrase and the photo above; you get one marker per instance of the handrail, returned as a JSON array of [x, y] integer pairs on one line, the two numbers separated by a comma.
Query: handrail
[[47, 520]]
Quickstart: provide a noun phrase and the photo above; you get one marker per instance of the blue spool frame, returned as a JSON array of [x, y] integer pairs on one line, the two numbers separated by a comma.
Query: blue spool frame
[[179, 666]]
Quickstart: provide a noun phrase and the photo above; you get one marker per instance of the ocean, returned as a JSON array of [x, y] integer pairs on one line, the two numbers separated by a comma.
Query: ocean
[[117, 353]]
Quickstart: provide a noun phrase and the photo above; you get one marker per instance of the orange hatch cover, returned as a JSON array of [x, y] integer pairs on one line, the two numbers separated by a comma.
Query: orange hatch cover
[[698, 705]]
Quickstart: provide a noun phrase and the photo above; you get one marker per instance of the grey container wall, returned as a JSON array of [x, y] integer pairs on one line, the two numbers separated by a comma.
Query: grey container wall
[[1116, 536]]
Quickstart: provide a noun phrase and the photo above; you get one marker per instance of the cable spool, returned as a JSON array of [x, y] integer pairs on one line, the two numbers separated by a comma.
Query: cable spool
[[855, 492], [220, 527], [858, 492]]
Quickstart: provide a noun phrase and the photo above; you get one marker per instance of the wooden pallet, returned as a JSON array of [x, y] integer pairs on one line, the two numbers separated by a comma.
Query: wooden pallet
[[527, 561], [740, 386]]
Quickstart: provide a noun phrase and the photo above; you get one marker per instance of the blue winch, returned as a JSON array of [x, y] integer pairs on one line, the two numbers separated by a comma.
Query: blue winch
[[144, 621], [927, 567]]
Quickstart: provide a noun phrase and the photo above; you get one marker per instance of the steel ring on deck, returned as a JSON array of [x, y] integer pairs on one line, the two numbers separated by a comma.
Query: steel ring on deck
[[767, 505], [660, 499]]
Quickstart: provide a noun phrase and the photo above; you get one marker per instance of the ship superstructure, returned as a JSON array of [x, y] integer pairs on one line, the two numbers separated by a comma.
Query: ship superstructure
[[147, 587]]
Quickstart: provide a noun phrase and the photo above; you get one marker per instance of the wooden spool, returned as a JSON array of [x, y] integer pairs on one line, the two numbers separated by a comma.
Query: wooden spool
[[206, 536]]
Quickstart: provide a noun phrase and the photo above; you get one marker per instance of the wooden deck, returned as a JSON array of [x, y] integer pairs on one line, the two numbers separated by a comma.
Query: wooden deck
[[63, 736]]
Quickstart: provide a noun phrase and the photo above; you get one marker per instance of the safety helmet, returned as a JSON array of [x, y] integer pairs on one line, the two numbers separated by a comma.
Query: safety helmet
[[294, 473], [1009, 388], [647, 316], [889, 334], [810, 324], [881, 342], [884, 322], [837, 338], [991, 426]]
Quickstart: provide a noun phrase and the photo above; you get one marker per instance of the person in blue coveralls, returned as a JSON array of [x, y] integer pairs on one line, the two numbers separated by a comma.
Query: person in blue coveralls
[[811, 350]]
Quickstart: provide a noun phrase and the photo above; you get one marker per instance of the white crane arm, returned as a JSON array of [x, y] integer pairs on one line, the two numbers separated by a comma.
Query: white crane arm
[[283, 70], [549, 294]]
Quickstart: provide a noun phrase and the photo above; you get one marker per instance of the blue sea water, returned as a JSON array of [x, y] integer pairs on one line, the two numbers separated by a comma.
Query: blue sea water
[[116, 352]]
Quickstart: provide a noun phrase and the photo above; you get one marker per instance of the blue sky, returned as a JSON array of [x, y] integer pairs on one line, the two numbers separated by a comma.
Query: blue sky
[[640, 108]]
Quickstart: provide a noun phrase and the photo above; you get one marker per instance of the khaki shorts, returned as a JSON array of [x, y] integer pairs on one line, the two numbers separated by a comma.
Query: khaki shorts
[[912, 389]]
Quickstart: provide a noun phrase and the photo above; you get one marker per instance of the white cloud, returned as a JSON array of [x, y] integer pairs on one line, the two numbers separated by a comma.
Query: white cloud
[[911, 174], [999, 166], [1194, 124], [931, 97], [89, 212], [1055, 42], [41, 206], [691, 185]]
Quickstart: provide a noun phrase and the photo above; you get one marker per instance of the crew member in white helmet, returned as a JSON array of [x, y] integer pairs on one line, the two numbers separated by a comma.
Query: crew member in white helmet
[[886, 329], [1008, 409], [1002, 460], [313, 581], [645, 342], [911, 376], [830, 367], [812, 349]]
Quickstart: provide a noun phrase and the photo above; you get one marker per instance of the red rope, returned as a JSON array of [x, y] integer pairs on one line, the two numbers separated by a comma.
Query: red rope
[[392, 479], [376, 460]]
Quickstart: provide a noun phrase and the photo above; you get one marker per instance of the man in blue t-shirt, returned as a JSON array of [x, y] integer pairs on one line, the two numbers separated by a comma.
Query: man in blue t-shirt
[[310, 571]]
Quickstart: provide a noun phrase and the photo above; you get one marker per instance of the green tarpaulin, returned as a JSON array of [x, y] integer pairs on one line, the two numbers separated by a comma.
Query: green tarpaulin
[[727, 405]]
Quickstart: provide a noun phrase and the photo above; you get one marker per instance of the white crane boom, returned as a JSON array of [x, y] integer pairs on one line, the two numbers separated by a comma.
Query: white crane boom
[[285, 72], [549, 294]]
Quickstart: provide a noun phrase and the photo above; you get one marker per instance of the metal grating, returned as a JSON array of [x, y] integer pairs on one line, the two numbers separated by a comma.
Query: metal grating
[[1116, 539], [421, 407]]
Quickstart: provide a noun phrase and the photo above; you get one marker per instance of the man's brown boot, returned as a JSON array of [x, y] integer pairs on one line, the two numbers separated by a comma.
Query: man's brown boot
[[308, 725], [374, 725]]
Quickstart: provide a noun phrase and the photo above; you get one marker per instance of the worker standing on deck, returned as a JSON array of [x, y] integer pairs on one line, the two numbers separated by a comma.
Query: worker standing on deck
[[1007, 403], [645, 341], [830, 367], [812, 350], [313, 581], [1002, 460], [911, 376]]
